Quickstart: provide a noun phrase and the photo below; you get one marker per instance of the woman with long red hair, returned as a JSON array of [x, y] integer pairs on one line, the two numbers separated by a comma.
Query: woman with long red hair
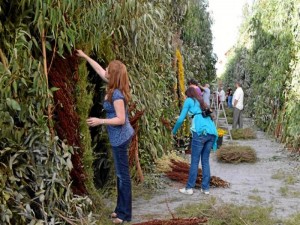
[[204, 138], [119, 129]]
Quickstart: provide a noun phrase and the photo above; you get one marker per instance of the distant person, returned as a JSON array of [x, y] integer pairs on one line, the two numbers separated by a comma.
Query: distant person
[[206, 94], [238, 106], [204, 137], [222, 96], [229, 98], [216, 98], [193, 83]]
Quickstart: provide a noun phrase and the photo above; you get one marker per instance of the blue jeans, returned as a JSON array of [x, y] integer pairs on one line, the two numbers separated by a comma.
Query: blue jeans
[[124, 201], [229, 103], [201, 146]]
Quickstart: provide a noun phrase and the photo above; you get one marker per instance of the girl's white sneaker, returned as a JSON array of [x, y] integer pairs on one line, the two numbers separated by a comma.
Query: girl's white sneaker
[[205, 192], [186, 191]]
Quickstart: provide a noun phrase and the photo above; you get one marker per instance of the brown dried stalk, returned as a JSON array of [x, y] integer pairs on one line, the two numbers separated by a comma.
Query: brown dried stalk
[[180, 173]]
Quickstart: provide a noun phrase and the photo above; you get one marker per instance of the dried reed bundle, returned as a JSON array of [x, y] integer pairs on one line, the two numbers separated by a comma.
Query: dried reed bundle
[[246, 133], [236, 154], [163, 164]]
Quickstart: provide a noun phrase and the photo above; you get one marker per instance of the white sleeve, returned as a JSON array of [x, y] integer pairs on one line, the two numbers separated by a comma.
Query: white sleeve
[[237, 95]]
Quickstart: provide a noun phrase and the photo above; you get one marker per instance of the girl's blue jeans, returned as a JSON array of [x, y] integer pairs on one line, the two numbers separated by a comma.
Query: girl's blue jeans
[[201, 146], [124, 200]]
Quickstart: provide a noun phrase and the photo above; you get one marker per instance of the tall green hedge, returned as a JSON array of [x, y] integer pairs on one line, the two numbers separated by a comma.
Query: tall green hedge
[[199, 59], [266, 59], [35, 37]]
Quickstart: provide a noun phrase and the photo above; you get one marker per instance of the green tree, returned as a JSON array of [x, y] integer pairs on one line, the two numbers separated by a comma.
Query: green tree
[[197, 42], [46, 94], [267, 53]]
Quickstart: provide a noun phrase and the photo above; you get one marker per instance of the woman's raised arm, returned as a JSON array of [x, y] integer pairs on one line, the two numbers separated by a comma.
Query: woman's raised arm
[[93, 64]]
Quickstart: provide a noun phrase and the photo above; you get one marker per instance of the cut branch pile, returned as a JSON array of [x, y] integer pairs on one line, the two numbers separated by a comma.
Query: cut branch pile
[[177, 221], [236, 154], [180, 172], [163, 164]]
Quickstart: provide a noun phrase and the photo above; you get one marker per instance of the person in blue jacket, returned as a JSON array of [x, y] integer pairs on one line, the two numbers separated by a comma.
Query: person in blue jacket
[[204, 138]]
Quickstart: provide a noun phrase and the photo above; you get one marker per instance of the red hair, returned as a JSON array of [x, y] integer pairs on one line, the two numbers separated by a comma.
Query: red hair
[[118, 79], [192, 93]]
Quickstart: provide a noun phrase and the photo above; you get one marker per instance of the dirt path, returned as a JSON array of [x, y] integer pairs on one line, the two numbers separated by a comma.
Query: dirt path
[[273, 181]]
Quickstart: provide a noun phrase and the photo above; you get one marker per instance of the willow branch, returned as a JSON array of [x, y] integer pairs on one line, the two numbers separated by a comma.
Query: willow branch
[[49, 110], [3, 59]]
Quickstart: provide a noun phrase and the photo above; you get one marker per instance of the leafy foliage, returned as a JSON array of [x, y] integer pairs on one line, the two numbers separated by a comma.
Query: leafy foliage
[[197, 43], [141, 38], [35, 185], [266, 59], [35, 163]]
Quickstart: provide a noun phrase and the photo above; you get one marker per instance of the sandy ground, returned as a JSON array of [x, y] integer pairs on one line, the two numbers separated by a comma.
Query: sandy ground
[[273, 181]]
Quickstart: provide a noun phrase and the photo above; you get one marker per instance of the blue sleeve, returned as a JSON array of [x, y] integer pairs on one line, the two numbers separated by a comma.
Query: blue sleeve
[[215, 145], [184, 111], [117, 95]]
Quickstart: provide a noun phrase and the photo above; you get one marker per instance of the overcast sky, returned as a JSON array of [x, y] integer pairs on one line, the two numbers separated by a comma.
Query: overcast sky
[[227, 16]]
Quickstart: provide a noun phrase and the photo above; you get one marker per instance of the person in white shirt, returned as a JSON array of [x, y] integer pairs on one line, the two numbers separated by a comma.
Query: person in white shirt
[[238, 106], [222, 96]]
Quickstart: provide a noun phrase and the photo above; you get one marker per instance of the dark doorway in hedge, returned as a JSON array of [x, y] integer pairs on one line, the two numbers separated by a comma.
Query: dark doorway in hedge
[[102, 163]]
